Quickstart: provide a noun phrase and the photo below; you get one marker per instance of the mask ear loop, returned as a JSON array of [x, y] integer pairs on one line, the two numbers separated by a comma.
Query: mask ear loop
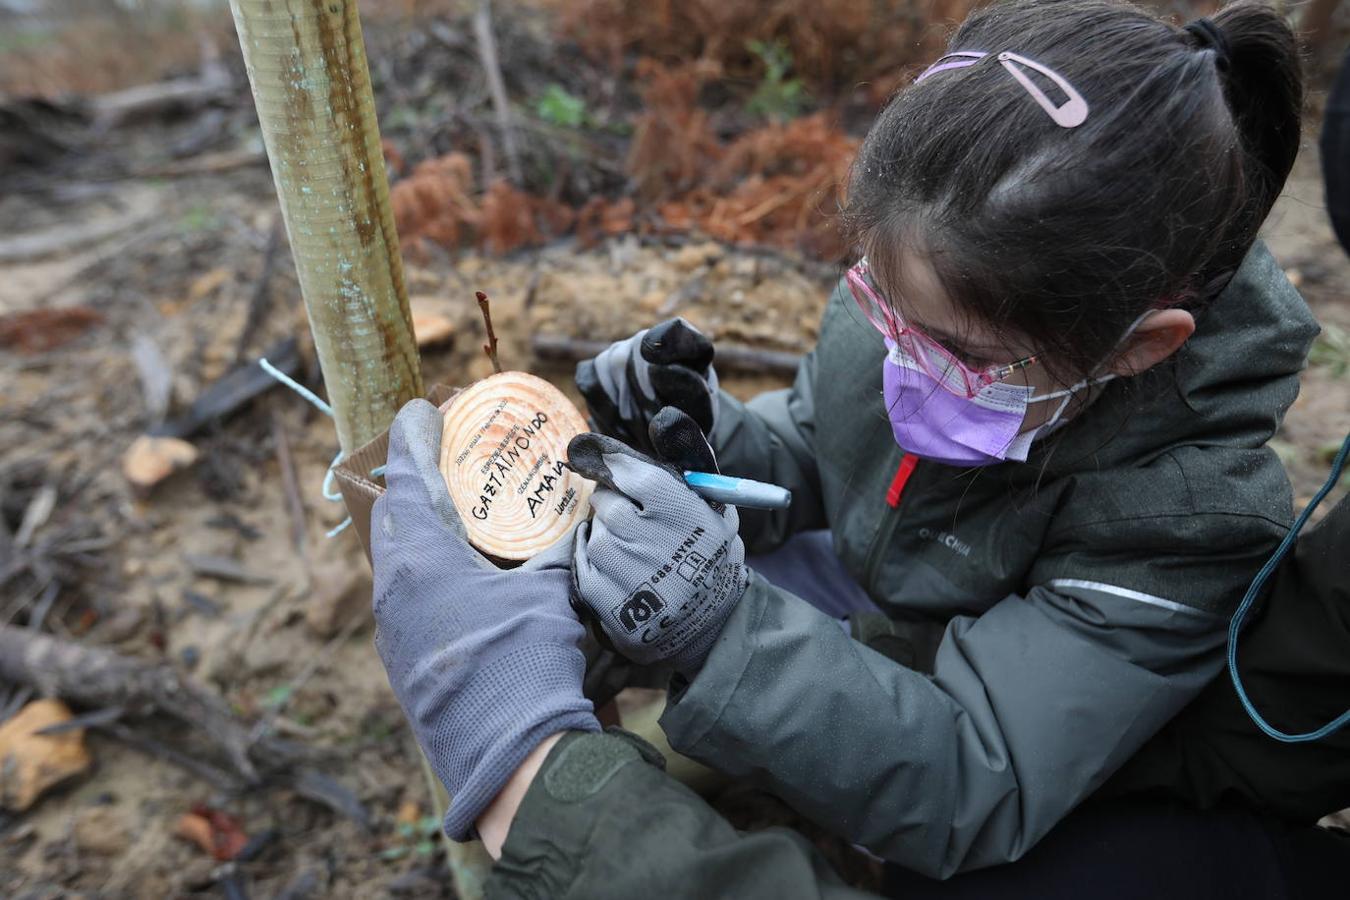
[[1067, 393], [1071, 114]]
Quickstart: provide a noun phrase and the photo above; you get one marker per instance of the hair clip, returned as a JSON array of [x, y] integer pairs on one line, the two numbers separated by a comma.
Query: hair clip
[[1069, 114]]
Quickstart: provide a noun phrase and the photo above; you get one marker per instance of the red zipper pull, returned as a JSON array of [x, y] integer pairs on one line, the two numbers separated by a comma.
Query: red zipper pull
[[906, 468]]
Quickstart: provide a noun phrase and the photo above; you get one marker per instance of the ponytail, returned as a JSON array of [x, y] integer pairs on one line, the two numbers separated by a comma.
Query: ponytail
[[1263, 83]]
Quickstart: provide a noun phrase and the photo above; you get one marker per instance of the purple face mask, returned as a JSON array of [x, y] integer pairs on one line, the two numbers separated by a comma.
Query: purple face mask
[[933, 423]]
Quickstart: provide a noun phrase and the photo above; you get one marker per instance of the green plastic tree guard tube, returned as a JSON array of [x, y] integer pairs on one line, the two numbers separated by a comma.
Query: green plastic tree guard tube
[[306, 63]]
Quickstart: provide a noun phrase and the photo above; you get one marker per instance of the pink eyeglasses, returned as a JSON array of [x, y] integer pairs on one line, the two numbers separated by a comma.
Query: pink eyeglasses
[[937, 361]]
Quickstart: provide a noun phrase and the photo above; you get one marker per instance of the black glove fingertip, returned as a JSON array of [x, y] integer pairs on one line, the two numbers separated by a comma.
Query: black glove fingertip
[[681, 387], [586, 457], [676, 341], [679, 441]]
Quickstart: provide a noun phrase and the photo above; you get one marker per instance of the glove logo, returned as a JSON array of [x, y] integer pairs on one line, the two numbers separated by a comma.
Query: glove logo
[[639, 609], [692, 568]]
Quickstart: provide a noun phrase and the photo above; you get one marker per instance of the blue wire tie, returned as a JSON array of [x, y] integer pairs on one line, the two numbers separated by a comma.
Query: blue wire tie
[[317, 402]]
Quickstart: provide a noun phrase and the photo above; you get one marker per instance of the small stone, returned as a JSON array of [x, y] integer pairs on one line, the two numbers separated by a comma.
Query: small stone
[[31, 763], [431, 325], [150, 460]]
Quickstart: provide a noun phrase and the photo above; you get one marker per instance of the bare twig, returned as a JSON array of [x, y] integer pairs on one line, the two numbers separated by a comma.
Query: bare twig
[[206, 164], [262, 291], [94, 676], [216, 777], [487, 53], [67, 238], [223, 568], [150, 100], [747, 360], [13, 699], [490, 348], [295, 506], [44, 606], [36, 514]]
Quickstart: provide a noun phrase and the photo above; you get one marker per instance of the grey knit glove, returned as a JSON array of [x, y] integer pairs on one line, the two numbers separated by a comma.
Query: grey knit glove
[[658, 566], [483, 661], [632, 380]]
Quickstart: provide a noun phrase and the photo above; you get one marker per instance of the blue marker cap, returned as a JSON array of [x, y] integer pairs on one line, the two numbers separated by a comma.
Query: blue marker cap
[[738, 491]]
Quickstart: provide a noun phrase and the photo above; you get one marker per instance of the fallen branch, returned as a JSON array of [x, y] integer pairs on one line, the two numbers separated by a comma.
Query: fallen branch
[[151, 100], [487, 52], [261, 298], [233, 391], [730, 357], [66, 238], [96, 677], [295, 505], [206, 164]]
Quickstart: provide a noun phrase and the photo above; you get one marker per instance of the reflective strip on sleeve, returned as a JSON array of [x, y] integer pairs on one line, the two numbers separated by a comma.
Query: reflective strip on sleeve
[[1059, 584]]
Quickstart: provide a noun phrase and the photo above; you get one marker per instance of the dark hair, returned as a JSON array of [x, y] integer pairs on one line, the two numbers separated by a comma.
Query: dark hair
[[1064, 236]]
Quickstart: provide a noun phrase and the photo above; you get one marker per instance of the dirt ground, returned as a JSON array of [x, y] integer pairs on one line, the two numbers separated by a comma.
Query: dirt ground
[[170, 268]]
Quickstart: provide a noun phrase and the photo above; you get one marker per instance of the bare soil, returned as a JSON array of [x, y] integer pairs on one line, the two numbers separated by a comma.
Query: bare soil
[[178, 273]]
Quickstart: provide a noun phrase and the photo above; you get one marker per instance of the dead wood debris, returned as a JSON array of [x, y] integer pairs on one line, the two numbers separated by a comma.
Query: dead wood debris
[[102, 679], [234, 391], [96, 677], [295, 504], [487, 51]]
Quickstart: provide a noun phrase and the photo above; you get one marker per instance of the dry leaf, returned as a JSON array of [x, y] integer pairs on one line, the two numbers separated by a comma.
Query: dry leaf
[[150, 460], [215, 832], [31, 763]]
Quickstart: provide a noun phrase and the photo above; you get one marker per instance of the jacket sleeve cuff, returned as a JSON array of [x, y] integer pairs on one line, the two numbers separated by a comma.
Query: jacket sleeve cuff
[[551, 835], [694, 707]]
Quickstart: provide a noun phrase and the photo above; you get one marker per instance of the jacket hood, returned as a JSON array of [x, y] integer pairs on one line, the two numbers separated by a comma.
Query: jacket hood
[[1229, 384]]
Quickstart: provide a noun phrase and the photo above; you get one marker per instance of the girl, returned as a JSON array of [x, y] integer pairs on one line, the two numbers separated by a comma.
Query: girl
[[1034, 426], [1032, 436]]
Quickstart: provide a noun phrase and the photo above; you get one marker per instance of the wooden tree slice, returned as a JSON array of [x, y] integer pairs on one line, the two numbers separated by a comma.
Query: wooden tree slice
[[502, 451]]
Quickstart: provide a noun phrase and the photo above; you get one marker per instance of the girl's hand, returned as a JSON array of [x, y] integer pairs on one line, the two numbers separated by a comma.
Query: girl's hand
[[632, 380], [659, 567], [483, 661]]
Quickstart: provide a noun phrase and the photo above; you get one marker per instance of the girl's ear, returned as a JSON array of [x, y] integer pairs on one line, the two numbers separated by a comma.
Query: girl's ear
[[1156, 338]]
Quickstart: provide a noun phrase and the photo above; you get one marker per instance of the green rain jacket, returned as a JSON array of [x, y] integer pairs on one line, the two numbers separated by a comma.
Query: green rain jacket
[[1048, 618]]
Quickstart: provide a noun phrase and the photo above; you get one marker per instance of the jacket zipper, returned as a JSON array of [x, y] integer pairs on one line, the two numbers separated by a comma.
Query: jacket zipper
[[890, 518]]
